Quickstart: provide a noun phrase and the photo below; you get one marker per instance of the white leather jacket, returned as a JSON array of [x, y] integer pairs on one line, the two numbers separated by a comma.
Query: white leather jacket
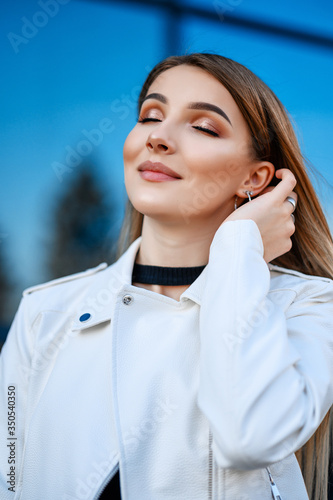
[[191, 399]]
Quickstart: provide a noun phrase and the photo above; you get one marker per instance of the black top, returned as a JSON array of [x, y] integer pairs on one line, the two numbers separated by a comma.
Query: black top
[[153, 275], [112, 490], [167, 276]]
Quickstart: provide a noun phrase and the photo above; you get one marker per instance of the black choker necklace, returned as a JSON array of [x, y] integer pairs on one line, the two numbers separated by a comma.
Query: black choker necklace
[[167, 276]]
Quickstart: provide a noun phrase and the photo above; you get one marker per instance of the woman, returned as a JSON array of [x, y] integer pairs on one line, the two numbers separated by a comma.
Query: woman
[[201, 361]]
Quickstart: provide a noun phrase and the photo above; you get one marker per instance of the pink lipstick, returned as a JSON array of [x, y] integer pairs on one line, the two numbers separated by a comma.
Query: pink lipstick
[[157, 172]]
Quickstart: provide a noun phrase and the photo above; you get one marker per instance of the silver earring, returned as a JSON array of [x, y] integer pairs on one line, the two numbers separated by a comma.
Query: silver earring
[[249, 194], [235, 204]]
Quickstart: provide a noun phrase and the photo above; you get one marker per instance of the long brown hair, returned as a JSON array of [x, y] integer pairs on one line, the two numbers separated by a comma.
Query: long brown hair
[[274, 140]]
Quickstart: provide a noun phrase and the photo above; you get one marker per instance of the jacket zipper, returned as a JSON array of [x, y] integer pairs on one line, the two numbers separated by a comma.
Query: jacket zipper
[[274, 489], [106, 481], [210, 466]]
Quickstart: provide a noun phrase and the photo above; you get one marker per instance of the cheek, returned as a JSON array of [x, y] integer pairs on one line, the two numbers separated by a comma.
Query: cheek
[[215, 160], [132, 145], [217, 173]]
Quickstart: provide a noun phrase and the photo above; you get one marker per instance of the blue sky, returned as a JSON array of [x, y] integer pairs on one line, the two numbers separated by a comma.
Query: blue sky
[[83, 67]]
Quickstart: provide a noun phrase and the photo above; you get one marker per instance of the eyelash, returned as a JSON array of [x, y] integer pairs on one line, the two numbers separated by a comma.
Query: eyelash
[[207, 130], [202, 129], [145, 120]]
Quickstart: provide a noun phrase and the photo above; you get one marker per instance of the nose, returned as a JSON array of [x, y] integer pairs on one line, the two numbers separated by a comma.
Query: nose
[[159, 141]]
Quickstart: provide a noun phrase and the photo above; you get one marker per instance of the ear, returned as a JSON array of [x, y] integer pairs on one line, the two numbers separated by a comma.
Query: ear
[[259, 177]]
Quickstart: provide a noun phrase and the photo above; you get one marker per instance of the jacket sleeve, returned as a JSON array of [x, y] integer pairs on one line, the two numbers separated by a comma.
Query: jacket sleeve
[[15, 362], [266, 366]]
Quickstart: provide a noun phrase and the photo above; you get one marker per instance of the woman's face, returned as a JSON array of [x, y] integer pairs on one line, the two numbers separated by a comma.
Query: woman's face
[[188, 123]]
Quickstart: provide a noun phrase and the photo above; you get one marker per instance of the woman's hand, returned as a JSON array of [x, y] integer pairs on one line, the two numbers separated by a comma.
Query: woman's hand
[[272, 213]]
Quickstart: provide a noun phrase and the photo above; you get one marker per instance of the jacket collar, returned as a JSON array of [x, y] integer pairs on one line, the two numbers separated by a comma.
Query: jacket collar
[[98, 301], [124, 266]]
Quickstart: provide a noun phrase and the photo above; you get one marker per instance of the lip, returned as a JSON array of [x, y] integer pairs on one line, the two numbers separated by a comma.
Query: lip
[[156, 171]]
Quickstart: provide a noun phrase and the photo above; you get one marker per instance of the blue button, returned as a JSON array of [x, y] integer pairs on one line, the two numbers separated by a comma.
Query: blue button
[[85, 317]]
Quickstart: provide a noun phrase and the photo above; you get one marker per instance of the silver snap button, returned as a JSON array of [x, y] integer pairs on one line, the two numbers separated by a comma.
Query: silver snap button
[[127, 300]]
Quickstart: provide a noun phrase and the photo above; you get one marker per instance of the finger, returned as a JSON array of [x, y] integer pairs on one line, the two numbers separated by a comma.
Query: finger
[[286, 175], [266, 190], [285, 186]]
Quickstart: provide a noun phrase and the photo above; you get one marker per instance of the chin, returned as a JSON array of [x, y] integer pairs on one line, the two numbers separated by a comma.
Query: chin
[[154, 207]]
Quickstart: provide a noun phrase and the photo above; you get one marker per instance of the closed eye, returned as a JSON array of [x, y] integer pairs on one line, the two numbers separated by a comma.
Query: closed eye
[[145, 120], [201, 129], [207, 130]]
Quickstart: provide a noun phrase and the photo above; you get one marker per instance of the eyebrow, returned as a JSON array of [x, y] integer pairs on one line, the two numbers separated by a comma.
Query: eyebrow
[[205, 106]]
